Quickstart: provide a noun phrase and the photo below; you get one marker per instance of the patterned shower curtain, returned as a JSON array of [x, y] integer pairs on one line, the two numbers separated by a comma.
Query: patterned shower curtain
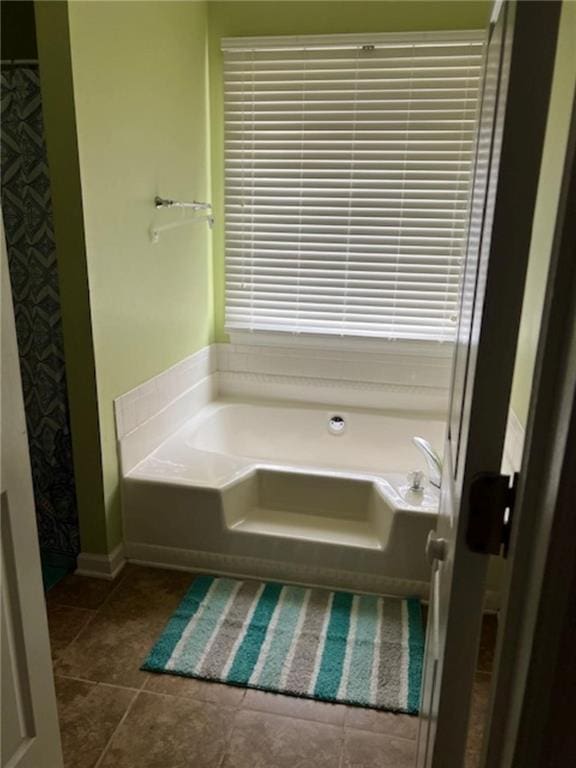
[[27, 213]]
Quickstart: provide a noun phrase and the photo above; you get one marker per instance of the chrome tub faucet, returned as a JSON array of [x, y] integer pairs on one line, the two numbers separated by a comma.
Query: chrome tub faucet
[[433, 460]]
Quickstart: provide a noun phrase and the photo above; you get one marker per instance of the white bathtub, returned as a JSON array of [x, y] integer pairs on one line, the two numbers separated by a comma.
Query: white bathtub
[[287, 491]]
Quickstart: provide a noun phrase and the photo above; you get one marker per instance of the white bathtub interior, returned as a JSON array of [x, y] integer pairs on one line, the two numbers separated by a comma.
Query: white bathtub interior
[[226, 436]]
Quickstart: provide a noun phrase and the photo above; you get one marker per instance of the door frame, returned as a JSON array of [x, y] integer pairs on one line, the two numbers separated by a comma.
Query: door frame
[[533, 698]]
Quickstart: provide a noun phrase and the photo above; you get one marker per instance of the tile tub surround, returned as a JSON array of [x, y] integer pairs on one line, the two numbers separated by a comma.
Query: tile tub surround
[[414, 378], [151, 412], [409, 372], [387, 375], [112, 712]]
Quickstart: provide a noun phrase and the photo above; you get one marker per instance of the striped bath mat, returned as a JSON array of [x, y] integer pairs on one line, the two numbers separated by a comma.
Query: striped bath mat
[[333, 646]]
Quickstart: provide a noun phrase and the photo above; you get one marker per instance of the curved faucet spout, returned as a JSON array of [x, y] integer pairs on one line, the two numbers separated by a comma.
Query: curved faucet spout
[[433, 460]]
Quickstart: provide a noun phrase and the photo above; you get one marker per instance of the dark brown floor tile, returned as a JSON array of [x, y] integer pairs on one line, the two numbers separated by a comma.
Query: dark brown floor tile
[[116, 642], [404, 726], [217, 693], [82, 591], [88, 715], [169, 732], [149, 590], [64, 624], [111, 649], [374, 750], [261, 740], [487, 642], [291, 706], [478, 711]]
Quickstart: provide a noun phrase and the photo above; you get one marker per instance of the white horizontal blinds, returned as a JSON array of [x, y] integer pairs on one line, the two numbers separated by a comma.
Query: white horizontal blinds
[[348, 168]]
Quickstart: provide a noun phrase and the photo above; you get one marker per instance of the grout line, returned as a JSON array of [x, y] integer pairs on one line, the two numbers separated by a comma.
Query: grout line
[[317, 720], [74, 677], [122, 576], [51, 606], [115, 731], [95, 682], [228, 738], [116, 583], [342, 749], [163, 695], [386, 734], [218, 704], [63, 604], [291, 717], [82, 628], [57, 656], [144, 682]]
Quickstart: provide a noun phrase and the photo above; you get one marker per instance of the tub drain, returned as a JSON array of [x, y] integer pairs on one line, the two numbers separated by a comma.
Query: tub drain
[[336, 425]]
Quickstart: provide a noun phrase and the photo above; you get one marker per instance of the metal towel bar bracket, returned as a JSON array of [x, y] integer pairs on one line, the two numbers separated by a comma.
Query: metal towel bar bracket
[[155, 231], [195, 205]]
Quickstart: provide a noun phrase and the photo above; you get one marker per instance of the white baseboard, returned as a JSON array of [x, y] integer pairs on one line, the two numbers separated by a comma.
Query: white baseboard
[[101, 566]]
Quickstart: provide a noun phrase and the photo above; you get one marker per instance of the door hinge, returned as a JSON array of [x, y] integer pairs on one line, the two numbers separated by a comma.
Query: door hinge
[[491, 508]]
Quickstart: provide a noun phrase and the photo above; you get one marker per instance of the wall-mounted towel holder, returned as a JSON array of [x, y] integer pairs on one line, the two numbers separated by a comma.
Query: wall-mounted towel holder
[[194, 205], [164, 202]]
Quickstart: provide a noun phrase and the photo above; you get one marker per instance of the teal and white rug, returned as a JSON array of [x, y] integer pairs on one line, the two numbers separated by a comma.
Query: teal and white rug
[[332, 646]]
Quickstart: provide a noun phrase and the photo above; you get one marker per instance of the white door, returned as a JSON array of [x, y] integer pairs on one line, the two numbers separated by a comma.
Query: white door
[[29, 737], [512, 119]]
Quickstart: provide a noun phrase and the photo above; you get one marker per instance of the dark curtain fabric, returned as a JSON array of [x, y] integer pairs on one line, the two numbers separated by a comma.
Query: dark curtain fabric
[[27, 214]]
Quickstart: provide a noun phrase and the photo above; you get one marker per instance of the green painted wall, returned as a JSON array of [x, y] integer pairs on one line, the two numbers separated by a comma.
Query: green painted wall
[[140, 88], [557, 128], [60, 126], [230, 19]]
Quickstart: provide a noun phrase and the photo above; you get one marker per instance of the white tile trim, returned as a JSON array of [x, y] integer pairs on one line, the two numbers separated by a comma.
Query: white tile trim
[[140, 442], [101, 566], [403, 365], [331, 392], [136, 407]]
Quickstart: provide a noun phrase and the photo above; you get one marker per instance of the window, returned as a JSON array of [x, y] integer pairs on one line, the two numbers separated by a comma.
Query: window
[[348, 166]]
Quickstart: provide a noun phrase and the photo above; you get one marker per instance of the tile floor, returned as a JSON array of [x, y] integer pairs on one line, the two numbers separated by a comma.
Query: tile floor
[[112, 715]]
